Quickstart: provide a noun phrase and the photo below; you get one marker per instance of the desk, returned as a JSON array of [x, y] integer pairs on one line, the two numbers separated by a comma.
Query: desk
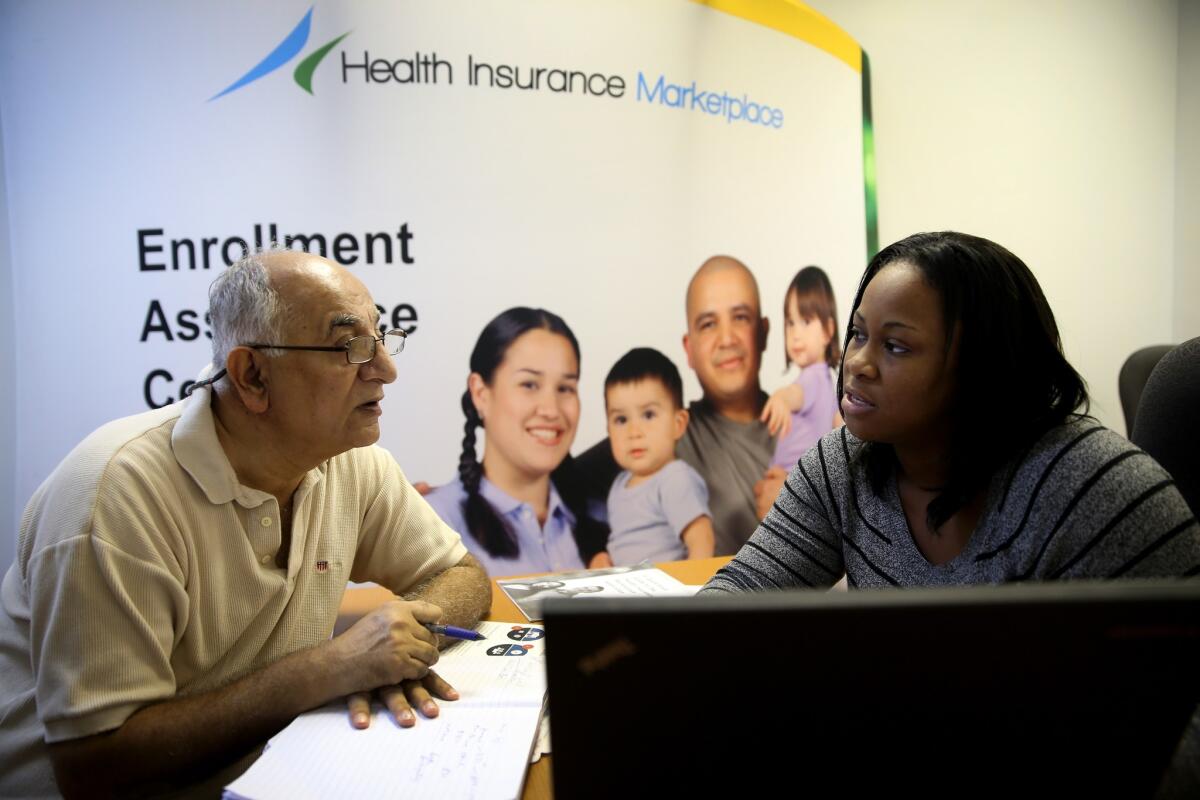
[[358, 601]]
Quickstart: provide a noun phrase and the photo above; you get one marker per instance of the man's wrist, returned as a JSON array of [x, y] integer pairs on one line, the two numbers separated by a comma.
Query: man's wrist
[[325, 673]]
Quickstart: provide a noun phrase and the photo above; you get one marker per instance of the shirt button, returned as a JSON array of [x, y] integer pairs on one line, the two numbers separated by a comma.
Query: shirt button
[[266, 559], [266, 522]]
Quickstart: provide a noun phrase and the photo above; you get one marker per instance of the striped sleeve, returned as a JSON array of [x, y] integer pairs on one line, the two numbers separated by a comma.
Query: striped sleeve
[[799, 543]]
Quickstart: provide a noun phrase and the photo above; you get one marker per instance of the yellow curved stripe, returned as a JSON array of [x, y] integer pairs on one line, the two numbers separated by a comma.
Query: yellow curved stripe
[[794, 19]]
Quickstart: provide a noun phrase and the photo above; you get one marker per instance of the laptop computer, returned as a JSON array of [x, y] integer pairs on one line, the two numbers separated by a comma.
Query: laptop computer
[[1067, 689]]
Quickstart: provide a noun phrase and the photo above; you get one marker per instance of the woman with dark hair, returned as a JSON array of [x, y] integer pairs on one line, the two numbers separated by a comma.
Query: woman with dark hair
[[967, 456], [522, 509]]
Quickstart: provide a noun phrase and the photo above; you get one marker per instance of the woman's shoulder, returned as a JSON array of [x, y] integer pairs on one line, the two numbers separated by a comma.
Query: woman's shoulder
[[1081, 450], [1097, 506], [1081, 439]]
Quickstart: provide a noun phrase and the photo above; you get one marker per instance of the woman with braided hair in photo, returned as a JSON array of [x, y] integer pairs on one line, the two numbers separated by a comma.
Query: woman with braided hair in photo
[[521, 509]]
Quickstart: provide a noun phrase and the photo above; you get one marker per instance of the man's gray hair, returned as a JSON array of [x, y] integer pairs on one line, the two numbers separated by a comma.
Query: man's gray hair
[[243, 307]]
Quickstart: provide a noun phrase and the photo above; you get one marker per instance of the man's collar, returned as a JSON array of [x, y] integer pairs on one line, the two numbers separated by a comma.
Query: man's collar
[[199, 452]]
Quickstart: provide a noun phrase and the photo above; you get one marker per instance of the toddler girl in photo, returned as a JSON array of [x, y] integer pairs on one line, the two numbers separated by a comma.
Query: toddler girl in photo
[[804, 410]]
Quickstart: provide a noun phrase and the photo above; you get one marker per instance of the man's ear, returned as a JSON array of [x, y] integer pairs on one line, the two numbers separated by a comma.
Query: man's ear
[[764, 328], [687, 348], [248, 374]]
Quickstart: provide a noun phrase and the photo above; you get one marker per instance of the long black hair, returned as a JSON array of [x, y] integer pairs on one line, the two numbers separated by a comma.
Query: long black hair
[[1011, 368], [489, 529]]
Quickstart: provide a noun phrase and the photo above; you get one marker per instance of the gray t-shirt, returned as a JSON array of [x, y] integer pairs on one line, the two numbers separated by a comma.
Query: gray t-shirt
[[731, 457], [647, 520]]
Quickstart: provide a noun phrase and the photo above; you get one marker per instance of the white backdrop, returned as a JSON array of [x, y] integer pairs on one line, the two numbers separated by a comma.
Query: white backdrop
[[596, 207]]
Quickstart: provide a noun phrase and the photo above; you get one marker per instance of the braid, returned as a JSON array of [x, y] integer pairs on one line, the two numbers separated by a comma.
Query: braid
[[469, 468], [482, 522], [591, 536]]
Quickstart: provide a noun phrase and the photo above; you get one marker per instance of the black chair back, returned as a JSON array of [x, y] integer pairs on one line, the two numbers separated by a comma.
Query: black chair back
[[1132, 379], [1167, 425]]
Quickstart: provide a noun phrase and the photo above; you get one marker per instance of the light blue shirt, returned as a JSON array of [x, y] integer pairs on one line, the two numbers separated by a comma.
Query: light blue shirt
[[648, 519], [541, 548]]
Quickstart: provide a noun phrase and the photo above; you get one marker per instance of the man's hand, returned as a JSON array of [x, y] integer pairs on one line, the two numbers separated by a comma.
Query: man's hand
[[456, 596], [402, 699], [390, 644], [776, 415], [767, 489], [422, 488], [601, 560]]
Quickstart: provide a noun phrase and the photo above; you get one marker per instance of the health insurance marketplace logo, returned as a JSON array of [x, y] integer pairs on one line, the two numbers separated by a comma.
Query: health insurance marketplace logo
[[678, 95], [288, 49]]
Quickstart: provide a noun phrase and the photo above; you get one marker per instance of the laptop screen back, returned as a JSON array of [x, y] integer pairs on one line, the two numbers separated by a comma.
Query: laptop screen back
[[978, 691]]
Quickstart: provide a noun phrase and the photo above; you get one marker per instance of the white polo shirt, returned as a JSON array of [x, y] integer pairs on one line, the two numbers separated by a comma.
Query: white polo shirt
[[145, 571]]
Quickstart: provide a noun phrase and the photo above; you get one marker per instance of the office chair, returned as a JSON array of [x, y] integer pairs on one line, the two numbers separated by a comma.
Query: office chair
[[1132, 379], [1167, 425]]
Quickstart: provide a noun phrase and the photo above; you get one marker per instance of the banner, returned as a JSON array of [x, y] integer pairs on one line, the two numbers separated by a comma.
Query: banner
[[459, 157]]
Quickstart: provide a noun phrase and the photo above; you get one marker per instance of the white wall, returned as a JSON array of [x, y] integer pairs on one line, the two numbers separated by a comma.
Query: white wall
[[1051, 129], [9, 510], [1187, 176]]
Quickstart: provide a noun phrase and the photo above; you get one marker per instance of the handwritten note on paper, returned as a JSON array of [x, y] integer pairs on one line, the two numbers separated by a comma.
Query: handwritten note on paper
[[477, 747]]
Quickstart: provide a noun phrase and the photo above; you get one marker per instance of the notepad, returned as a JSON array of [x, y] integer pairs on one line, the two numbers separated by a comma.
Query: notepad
[[478, 747]]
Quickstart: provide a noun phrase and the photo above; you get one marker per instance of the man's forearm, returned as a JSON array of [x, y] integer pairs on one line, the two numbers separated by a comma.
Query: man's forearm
[[463, 592], [182, 740]]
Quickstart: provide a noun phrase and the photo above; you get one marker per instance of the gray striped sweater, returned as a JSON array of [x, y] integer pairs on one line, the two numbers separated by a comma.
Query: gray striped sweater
[[1083, 502]]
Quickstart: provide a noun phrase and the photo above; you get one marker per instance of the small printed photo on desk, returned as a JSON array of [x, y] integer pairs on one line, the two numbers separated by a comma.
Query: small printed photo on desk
[[639, 580]]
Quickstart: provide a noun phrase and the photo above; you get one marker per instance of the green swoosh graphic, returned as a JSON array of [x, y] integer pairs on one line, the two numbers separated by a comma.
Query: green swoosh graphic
[[872, 202], [306, 68]]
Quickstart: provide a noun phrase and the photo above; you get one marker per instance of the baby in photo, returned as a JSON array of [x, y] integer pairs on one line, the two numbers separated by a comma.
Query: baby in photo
[[658, 505]]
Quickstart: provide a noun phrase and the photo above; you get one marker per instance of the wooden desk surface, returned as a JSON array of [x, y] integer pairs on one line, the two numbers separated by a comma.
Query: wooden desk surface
[[359, 600]]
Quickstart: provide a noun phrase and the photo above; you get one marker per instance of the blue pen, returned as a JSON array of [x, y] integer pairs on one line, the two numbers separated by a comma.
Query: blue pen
[[454, 633]]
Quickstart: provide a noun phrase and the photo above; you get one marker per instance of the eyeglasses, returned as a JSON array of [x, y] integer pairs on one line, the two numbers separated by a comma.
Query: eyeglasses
[[359, 350]]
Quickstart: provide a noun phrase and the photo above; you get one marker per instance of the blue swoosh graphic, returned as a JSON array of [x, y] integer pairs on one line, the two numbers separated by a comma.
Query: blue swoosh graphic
[[282, 54]]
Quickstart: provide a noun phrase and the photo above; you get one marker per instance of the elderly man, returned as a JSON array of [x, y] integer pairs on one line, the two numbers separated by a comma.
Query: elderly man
[[725, 441], [178, 575]]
